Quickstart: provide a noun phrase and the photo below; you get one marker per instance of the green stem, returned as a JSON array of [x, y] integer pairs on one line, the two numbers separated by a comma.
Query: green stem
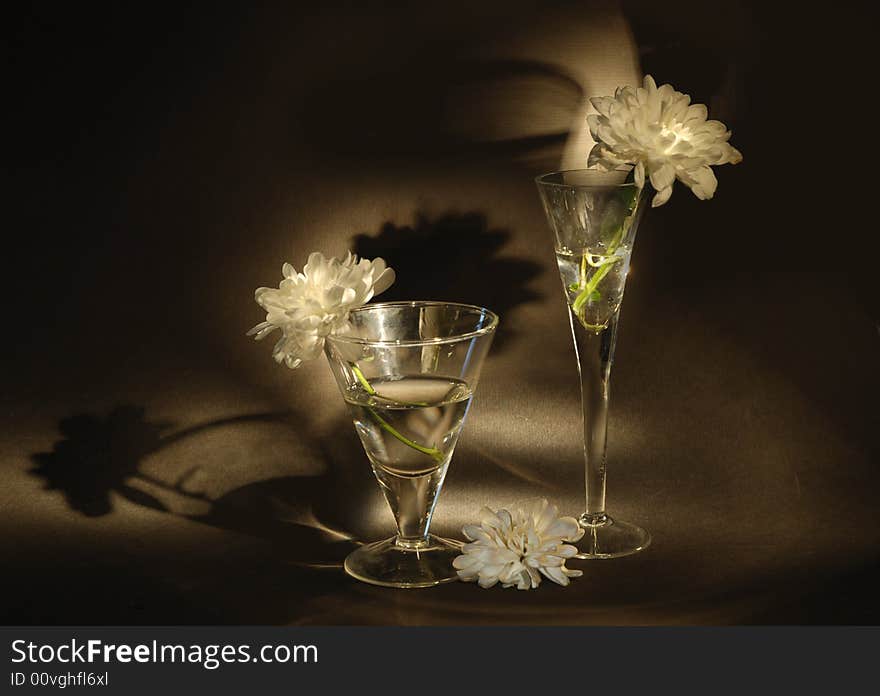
[[609, 259], [432, 452], [590, 287], [618, 236], [363, 380]]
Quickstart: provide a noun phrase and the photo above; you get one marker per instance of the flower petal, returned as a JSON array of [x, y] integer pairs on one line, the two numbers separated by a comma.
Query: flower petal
[[384, 281], [705, 183], [660, 128], [663, 177], [661, 197], [603, 105], [518, 546], [557, 575], [639, 174], [311, 305]]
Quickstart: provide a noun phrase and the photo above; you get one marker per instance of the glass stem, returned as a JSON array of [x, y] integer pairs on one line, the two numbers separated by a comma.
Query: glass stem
[[414, 507], [595, 352]]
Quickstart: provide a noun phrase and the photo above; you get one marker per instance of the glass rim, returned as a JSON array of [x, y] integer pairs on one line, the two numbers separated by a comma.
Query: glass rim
[[543, 179], [440, 340]]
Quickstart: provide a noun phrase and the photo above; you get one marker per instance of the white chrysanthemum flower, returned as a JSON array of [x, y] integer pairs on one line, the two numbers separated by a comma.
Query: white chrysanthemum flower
[[309, 306], [665, 136], [516, 547]]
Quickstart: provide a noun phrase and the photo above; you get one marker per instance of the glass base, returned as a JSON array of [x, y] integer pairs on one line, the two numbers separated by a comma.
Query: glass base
[[608, 538], [391, 563]]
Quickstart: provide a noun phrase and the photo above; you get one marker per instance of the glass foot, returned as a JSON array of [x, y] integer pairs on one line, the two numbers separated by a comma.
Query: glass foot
[[392, 564], [608, 538]]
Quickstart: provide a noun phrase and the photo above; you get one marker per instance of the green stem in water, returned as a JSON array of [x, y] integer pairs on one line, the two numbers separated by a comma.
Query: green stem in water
[[432, 452], [589, 290], [590, 287], [363, 380]]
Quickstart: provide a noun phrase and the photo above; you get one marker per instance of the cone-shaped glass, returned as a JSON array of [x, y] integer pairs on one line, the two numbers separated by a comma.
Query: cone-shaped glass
[[594, 216], [408, 371]]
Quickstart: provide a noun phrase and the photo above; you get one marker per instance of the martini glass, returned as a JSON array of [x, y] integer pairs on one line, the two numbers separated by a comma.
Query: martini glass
[[594, 216], [408, 371]]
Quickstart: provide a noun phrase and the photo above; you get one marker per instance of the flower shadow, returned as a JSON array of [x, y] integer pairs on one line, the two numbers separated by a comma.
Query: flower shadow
[[301, 523], [300, 540], [455, 253], [98, 456], [101, 456]]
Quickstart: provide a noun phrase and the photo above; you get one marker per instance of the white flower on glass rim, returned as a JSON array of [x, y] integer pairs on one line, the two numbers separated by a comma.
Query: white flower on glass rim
[[309, 306], [665, 136], [516, 547]]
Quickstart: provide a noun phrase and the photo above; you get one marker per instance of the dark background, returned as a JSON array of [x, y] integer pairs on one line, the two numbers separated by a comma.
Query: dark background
[[161, 163], [100, 97]]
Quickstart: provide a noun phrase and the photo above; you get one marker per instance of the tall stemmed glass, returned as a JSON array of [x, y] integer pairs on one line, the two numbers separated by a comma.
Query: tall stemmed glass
[[594, 215], [408, 371]]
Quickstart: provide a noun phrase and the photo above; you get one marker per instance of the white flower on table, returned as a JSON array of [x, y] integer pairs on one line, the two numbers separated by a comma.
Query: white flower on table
[[665, 136], [516, 547], [307, 307]]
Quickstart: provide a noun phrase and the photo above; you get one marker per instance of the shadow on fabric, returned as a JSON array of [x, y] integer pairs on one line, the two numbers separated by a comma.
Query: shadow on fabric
[[99, 456], [456, 257]]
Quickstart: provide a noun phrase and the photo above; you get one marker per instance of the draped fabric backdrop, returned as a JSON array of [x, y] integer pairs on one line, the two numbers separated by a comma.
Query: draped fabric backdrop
[[158, 466]]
